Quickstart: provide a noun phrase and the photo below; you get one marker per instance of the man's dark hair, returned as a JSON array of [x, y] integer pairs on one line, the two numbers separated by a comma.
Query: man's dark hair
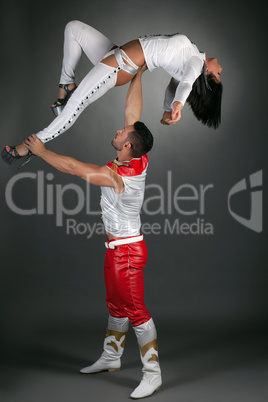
[[141, 140], [206, 103]]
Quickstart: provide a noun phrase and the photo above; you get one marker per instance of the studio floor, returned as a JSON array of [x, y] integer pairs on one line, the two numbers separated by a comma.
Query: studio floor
[[197, 365]]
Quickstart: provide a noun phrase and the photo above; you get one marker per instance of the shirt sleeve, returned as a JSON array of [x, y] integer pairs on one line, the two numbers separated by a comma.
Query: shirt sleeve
[[191, 72], [169, 94]]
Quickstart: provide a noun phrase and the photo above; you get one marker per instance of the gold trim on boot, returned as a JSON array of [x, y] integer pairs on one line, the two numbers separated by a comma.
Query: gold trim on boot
[[151, 379], [118, 336], [114, 344], [152, 344]]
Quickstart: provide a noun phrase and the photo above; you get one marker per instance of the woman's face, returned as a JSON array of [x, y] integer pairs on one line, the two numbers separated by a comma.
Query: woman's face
[[214, 68]]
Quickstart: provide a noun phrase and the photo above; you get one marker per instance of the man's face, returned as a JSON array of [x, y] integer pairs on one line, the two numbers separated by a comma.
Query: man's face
[[121, 138]]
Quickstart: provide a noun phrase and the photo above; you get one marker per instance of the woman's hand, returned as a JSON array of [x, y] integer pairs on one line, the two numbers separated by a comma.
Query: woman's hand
[[176, 112], [34, 145]]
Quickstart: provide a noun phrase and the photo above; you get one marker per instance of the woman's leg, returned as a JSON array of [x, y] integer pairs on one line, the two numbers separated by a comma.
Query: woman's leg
[[104, 76], [96, 83], [80, 37]]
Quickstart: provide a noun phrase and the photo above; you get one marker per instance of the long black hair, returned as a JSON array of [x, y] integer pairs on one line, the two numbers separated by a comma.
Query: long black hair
[[205, 100]]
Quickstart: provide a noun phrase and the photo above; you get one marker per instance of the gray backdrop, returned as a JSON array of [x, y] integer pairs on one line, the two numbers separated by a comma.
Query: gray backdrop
[[52, 280]]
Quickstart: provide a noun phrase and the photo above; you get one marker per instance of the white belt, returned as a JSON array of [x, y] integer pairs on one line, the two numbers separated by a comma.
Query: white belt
[[127, 240], [131, 70]]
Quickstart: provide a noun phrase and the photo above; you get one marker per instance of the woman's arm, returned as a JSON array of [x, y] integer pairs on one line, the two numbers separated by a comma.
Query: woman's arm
[[191, 73], [169, 96]]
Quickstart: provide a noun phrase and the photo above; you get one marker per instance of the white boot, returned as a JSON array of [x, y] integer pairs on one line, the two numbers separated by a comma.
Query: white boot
[[113, 347], [151, 380]]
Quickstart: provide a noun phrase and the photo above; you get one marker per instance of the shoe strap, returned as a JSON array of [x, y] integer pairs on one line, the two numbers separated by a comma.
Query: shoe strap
[[10, 152], [65, 87], [61, 101]]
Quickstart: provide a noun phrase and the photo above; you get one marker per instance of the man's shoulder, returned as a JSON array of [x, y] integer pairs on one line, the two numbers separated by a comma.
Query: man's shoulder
[[134, 167]]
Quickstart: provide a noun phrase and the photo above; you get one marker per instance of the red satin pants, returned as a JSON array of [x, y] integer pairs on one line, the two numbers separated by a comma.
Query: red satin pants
[[123, 271]]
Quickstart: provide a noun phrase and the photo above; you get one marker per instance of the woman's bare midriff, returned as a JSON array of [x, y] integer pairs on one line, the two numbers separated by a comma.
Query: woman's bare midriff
[[134, 51]]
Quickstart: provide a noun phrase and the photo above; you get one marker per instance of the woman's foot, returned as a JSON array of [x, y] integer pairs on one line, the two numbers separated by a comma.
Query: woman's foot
[[62, 93], [65, 92], [11, 154], [21, 150]]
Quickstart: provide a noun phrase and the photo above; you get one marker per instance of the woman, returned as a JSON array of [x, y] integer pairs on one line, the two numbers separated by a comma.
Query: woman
[[195, 78]]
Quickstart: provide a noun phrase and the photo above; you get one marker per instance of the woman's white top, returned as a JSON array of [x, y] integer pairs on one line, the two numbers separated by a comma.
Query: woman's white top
[[180, 58]]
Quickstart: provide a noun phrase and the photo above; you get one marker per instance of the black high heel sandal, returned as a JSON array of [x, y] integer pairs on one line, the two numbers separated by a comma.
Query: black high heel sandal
[[9, 158], [61, 102]]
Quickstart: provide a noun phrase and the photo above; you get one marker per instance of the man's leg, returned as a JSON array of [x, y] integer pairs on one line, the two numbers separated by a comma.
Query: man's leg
[[125, 295], [147, 341], [114, 343], [115, 338]]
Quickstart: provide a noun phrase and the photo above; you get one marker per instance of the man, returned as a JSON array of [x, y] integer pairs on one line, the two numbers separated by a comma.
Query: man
[[122, 185]]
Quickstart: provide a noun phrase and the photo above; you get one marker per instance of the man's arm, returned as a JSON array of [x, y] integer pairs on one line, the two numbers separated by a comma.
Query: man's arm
[[94, 174], [133, 107]]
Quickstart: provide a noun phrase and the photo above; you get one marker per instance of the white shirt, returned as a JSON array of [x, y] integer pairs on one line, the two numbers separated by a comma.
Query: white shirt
[[121, 212], [179, 57]]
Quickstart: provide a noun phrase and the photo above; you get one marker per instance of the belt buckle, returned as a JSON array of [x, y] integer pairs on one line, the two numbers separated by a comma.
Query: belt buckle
[[109, 245]]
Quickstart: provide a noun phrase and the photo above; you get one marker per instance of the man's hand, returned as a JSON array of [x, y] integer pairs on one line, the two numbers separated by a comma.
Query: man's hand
[[94, 174], [174, 116], [166, 118], [142, 69], [34, 145]]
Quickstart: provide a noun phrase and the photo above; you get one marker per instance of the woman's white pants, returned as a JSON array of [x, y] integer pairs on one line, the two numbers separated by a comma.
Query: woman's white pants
[[78, 38]]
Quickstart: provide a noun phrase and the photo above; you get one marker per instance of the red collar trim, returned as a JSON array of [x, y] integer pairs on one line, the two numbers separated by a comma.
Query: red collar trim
[[134, 167]]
